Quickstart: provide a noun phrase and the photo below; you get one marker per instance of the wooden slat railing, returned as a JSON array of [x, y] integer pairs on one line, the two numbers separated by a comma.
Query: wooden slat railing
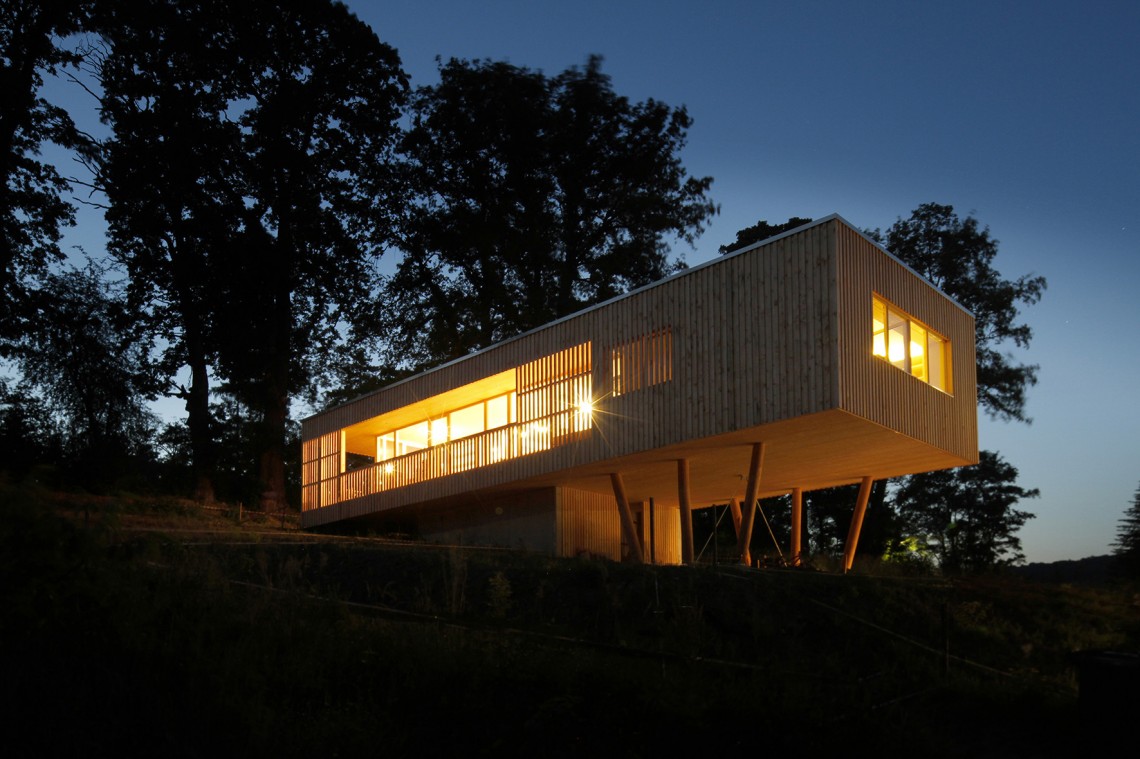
[[482, 449]]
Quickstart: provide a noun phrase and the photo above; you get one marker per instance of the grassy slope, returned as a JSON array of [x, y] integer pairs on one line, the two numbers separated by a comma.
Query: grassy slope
[[154, 626]]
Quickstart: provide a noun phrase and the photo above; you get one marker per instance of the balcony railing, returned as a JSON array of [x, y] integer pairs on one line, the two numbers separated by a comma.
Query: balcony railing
[[452, 457]]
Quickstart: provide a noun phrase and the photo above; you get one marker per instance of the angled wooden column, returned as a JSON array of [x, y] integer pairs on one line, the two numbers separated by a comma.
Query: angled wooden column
[[797, 525], [856, 523], [734, 509], [626, 518], [686, 511], [748, 514]]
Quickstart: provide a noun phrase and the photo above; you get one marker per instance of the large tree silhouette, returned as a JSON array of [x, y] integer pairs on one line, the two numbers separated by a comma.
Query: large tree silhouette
[[762, 230], [170, 176], [1127, 543], [88, 360], [261, 191], [33, 209], [537, 196], [966, 515]]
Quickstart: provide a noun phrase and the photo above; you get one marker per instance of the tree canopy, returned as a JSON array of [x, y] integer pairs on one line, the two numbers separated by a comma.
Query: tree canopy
[[252, 188], [169, 175], [1127, 544], [967, 515], [33, 209], [535, 197], [762, 230], [89, 363]]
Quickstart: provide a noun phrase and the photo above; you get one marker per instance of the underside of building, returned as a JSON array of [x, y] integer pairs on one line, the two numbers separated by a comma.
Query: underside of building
[[809, 360]]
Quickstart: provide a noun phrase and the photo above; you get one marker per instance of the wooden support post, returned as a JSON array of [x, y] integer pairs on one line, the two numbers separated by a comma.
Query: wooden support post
[[797, 525], [686, 511], [734, 508], [856, 523], [748, 514], [652, 533], [626, 518]]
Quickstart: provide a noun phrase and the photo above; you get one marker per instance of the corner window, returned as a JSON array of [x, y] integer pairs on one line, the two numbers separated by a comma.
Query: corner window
[[909, 345]]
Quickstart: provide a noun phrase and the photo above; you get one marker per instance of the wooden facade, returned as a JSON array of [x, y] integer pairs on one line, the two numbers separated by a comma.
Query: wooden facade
[[770, 344]]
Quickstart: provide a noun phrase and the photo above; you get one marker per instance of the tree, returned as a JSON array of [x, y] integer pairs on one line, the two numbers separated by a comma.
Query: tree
[[90, 363], [536, 197], [286, 114], [1127, 545], [321, 196], [762, 230], [33, 210], [29, 433], [168, 174], [956, 256], [966, 515]]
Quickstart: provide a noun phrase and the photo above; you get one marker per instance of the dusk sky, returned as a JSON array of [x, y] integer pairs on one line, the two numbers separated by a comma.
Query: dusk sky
[[1025, 115]]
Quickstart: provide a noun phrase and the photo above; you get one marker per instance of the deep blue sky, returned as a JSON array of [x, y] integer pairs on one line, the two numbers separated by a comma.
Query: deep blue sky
[[1024, 114]]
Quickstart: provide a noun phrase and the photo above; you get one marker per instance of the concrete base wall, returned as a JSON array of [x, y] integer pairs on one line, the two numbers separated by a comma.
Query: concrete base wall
[[524, 520], [557, 521]]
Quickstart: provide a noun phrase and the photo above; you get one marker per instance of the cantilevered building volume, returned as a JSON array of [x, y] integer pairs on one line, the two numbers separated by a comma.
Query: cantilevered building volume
[[805, 361]]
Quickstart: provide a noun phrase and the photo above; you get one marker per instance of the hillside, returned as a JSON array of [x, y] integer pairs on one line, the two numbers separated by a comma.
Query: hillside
[[156, 625]]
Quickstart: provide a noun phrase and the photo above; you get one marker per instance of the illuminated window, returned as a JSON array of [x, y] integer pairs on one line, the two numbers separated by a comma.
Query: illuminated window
[[323, 461], [534, 407], [909, 345]]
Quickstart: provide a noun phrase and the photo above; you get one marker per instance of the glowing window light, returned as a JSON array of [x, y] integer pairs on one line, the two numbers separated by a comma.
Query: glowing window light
[[909, 345], [878, 328], [490, 430], [896, 353], [918, 352]]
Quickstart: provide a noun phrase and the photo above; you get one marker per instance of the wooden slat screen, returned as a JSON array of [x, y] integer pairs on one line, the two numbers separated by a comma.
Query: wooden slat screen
[[644, 361]]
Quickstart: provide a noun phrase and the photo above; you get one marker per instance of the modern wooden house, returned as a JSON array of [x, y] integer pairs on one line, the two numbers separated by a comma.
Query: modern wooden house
[[805, 361]]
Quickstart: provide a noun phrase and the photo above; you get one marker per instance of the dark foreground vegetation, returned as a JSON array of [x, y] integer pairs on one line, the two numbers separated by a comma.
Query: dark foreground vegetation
[[156, 626]]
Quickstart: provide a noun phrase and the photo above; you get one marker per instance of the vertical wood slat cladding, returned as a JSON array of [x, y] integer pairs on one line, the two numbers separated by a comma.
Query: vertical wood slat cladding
[[588, 523], [877, 391], [764, 335], [666, 533]]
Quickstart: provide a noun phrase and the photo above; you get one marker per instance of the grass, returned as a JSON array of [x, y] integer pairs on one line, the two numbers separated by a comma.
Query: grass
[[153, 625]]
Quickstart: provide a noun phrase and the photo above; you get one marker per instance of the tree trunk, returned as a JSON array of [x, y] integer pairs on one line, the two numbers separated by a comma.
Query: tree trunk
[[275, 398], [271, 464], [198, 420]]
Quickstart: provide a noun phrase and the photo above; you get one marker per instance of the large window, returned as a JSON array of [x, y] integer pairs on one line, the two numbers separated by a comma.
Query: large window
[[910, 345], [455, 425], [534, 407]]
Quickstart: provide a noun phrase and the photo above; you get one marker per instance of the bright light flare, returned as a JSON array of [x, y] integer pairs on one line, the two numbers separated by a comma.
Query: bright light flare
[[586, 407]]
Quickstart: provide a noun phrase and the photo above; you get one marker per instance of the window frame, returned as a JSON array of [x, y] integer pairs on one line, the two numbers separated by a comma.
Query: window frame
[[918, 361]]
